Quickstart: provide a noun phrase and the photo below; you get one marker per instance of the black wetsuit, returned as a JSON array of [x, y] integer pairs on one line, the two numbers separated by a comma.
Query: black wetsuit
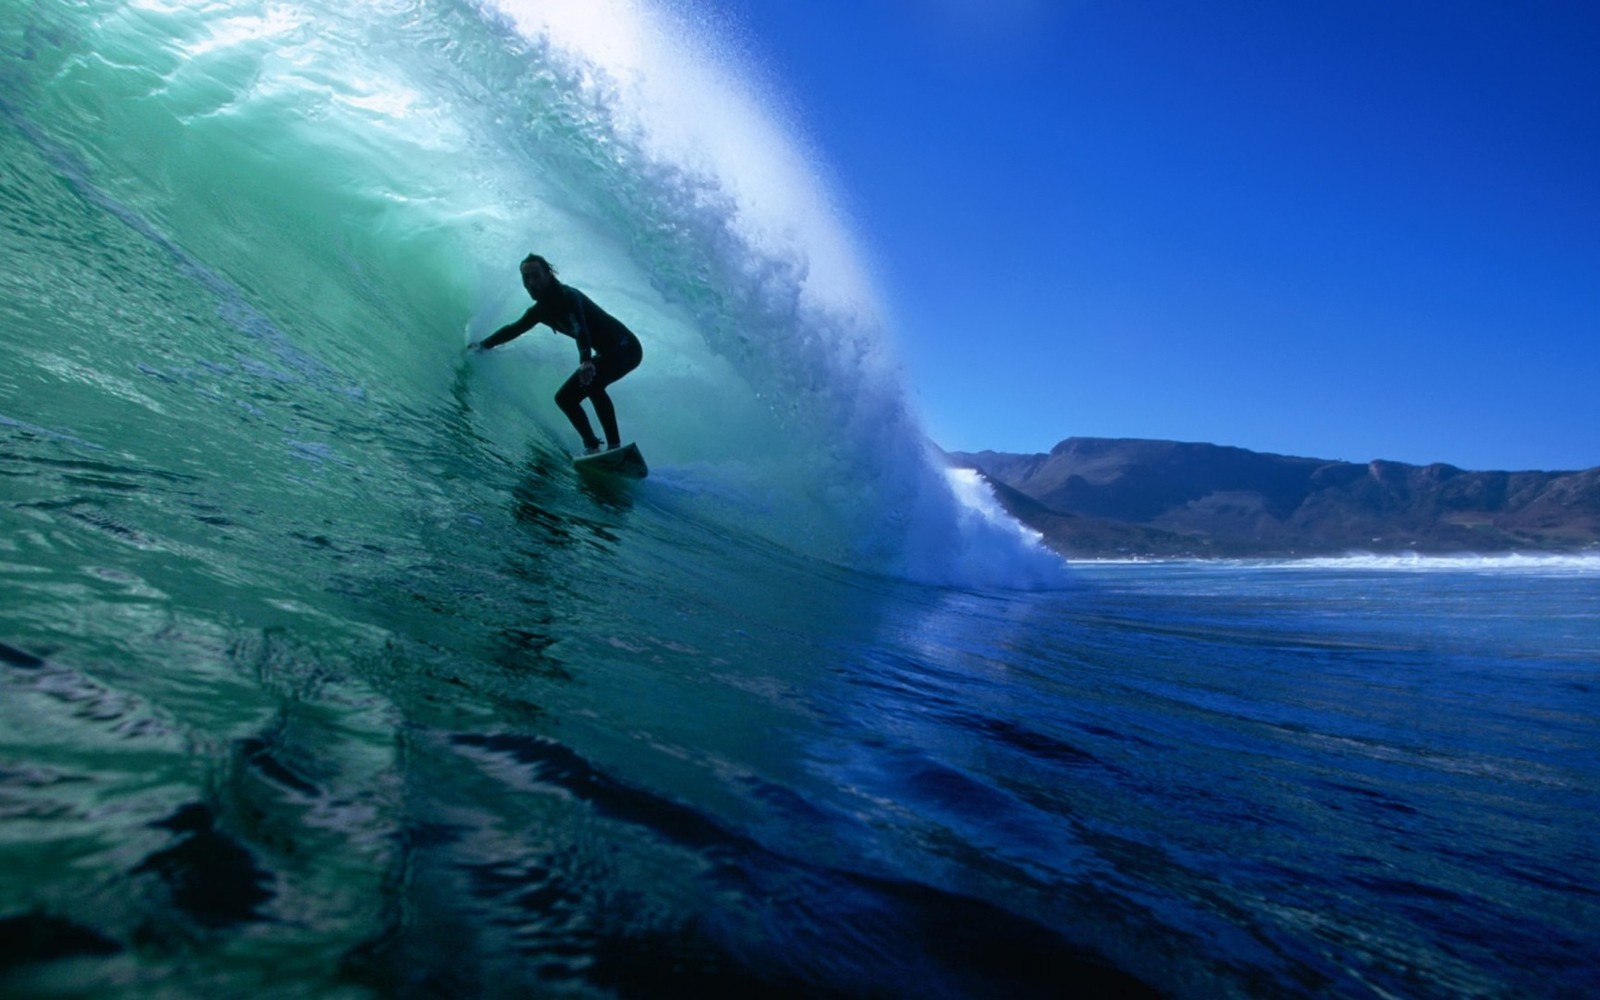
[[601, 338]]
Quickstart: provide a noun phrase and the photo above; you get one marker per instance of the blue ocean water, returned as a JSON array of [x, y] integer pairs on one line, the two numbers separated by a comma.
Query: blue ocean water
[[322, 674]]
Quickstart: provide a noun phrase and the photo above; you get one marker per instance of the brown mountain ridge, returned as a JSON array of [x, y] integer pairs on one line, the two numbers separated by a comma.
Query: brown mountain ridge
[[1099, 497]]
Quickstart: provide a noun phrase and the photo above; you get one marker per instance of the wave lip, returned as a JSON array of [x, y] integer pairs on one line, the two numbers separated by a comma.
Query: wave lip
[[350, 192], [774, 283]]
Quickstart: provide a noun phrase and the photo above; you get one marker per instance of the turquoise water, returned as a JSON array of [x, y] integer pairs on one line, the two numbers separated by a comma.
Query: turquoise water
[[322, 674]]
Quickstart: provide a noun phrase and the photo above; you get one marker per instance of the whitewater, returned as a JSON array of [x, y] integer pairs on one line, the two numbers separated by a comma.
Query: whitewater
[[323, 674]]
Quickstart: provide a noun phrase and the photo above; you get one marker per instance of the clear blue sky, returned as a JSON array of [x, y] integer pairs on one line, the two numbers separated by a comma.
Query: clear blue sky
[[1353, 229]]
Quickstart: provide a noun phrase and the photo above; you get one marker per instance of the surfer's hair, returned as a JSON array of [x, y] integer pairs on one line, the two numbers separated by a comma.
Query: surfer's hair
[[534, 258]]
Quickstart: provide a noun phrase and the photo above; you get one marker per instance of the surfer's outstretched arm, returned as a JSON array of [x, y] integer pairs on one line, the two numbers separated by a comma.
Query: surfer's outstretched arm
[[511, 331]]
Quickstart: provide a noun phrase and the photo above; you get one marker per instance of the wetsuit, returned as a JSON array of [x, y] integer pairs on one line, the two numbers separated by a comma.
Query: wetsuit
[[601, 338]]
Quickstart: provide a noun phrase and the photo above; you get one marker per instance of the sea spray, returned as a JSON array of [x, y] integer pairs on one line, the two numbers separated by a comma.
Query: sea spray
[[790, 302]]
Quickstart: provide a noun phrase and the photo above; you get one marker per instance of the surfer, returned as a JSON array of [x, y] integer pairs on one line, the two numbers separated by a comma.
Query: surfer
[[607, 350]]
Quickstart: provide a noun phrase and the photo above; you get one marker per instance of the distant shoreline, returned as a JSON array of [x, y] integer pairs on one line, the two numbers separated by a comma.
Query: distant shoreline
[[1110, 499]]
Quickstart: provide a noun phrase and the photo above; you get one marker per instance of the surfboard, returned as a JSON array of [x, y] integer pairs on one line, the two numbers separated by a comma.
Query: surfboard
[[624, 460]]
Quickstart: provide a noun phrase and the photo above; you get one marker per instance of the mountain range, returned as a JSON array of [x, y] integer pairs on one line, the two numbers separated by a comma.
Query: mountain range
[[1105, 497]]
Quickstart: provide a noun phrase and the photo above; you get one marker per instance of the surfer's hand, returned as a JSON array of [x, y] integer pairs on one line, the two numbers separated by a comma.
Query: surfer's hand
[[476, 345], [586, 373]]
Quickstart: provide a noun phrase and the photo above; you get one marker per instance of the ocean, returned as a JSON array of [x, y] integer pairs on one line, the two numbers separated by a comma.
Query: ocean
[[322, 674]]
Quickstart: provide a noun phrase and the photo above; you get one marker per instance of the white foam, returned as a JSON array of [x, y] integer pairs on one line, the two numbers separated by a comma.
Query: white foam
[[699, 104], [1575, 564], [987, 548]]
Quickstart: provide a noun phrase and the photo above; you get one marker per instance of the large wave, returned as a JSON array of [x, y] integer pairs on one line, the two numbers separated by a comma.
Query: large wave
[[355, 183]]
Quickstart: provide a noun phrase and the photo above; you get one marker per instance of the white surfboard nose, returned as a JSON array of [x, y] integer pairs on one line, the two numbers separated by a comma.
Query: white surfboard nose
[[623, 460]]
